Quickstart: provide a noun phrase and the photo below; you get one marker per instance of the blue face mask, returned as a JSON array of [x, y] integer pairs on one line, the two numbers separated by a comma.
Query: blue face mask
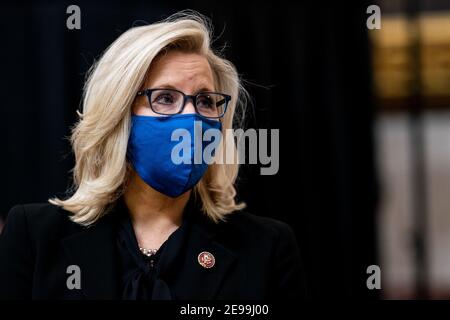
[[153, 143]]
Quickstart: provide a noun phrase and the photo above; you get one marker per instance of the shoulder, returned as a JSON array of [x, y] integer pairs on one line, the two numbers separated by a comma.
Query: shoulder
[[244, 219], [269, 242], [30, 239], [39, 213], [40, 220], [243, 222]]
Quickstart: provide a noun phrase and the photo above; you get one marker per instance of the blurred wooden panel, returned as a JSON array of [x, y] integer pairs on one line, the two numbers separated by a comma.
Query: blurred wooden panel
[[393, 66]]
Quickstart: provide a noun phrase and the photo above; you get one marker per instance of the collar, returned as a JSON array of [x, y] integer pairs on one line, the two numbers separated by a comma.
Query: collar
[[94, 250]]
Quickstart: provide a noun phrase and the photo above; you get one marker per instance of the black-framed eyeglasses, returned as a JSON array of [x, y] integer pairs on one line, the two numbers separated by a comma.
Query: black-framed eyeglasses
[[171, 101]]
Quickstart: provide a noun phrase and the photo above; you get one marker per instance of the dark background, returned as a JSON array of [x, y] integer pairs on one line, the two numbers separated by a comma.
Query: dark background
[[313, 53]]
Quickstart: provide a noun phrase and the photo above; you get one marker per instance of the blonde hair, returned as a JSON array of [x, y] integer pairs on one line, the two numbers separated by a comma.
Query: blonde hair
[[100, 137]]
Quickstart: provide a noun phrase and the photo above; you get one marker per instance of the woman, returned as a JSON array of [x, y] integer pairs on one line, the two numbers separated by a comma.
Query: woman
[[139, 223]]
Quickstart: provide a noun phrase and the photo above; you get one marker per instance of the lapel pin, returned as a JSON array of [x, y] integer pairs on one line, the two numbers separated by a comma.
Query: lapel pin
[[206, 259]]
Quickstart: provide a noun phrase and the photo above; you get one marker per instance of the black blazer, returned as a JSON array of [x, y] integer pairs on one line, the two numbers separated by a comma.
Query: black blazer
[[256, 258]]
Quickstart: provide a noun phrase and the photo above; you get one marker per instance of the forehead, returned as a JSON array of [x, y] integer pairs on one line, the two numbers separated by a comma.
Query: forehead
[[185, 71]]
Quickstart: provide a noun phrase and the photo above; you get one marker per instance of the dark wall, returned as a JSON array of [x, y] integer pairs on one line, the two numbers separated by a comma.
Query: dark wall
[[310, 68]]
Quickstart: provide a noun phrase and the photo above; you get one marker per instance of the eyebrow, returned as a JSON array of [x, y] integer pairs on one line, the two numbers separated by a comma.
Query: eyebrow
[[169, 86]]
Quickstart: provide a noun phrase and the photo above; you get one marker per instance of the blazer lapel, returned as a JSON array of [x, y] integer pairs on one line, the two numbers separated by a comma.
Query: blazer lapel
[[187, 278], [94, 251]]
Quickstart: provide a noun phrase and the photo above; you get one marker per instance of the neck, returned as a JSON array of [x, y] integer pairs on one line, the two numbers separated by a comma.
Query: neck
[[154, 215]]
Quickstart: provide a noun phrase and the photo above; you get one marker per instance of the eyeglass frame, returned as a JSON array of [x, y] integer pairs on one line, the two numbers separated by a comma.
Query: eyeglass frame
[[186, 97]]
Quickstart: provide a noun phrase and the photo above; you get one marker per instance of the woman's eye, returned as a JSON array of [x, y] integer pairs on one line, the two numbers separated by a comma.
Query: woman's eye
[[206, 102], [164, 99]]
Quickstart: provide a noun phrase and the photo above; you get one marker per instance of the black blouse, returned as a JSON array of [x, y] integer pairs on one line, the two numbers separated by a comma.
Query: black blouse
[[143, 277]]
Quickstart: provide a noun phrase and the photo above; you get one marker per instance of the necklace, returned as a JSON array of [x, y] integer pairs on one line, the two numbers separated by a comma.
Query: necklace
[[148, 252]]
